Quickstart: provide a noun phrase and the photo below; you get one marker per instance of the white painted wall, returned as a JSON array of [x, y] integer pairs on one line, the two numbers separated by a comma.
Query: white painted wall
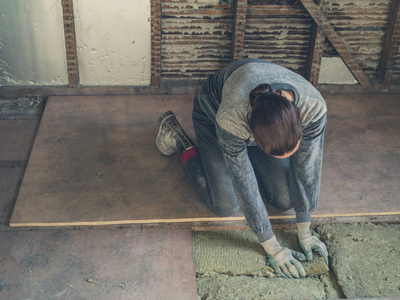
[[113, 41], [32, 46]]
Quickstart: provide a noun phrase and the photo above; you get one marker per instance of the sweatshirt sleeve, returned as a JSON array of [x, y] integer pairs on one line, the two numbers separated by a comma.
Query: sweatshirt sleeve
[[305, 170], [245, 184]]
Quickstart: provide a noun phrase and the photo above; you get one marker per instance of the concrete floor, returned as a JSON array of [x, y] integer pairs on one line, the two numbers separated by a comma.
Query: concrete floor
[[88, 277]]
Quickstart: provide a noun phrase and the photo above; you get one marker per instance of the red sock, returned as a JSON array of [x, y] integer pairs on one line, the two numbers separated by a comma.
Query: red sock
[[188, 154]]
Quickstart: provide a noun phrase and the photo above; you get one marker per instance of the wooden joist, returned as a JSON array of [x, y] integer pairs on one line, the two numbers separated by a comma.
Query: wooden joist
[[336, 41], [70, 43], [156, 43], [315, 53], [390, 44], [239, 24]]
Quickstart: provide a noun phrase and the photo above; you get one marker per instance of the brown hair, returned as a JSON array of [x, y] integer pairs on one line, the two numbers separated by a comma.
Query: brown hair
[[274, 121]]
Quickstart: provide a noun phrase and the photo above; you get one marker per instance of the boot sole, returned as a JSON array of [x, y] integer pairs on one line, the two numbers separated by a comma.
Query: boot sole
[[165, 116]]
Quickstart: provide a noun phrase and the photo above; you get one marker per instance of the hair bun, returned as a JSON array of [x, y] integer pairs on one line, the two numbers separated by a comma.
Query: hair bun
[[267, 93]]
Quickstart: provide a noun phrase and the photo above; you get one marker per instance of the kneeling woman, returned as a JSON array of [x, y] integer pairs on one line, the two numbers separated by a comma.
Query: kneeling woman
[[260, 132]]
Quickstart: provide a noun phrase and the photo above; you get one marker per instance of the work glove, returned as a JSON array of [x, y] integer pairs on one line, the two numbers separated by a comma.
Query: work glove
[[309, 243], [283, 260]]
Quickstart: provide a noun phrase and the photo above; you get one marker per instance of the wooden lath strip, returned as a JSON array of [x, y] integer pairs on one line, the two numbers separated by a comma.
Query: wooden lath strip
[[156, 43], [239, 24], [70, 43], [336, 41], [316, 51], [390, 44], [394, 214]]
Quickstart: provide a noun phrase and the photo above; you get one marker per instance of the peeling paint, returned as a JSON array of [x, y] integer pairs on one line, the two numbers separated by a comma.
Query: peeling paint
[[113, 38], [196, 38], [366, 4], [279, 32], [362, 25], [32, 47]]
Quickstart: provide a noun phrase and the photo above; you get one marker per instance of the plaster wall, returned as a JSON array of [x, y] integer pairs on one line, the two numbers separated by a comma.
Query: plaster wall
[[334, 71], [113, 42], [32, 46]]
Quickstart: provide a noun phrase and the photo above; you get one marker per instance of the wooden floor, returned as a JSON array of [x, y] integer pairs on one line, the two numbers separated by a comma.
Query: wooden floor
[[94, 162]]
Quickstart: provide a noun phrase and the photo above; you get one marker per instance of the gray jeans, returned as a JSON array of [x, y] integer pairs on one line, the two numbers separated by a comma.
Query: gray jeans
[[212, 179]]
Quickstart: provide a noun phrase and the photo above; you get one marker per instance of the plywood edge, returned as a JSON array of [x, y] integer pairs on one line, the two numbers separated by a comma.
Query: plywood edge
[[125, 222], [189, 220]]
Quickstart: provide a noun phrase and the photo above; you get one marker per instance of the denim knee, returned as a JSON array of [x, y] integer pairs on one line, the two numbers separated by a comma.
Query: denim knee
[[226, 210], [283, 204], [282, 201]]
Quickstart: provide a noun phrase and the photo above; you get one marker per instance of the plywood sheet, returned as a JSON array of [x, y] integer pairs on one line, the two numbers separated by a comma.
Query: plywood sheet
[[97, 264], [361, 169], [94, 162]]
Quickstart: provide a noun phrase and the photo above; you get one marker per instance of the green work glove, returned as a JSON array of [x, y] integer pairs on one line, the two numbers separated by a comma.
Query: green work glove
[[283, 260], [309, 243]]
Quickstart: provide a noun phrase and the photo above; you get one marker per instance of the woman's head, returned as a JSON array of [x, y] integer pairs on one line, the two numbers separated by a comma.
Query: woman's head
[[274, 121]]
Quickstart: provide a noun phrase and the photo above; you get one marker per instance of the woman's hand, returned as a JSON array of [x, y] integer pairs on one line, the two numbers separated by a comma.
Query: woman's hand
[[309, 243], [283, 260]]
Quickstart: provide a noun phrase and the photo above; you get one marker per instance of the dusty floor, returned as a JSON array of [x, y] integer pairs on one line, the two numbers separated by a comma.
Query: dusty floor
[[364, 259], [81, 262], [364, 263], [101, 149]]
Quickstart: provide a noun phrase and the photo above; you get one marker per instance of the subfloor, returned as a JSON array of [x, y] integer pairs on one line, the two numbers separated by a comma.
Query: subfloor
[[136, 262], [94, 162]]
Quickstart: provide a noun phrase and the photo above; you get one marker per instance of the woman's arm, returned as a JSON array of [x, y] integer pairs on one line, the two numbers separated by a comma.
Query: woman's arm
[[305, 181], [305, 171], [245, 183], [283, 260]]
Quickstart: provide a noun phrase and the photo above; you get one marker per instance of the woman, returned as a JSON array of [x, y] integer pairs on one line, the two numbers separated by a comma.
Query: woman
[[260, 131]]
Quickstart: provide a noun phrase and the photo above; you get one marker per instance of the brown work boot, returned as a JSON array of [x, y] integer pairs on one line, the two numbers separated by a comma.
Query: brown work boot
[[171, 137]]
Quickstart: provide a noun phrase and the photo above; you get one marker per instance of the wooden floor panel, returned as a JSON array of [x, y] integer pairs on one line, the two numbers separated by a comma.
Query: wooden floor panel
[[97, 264], [94, 162]]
